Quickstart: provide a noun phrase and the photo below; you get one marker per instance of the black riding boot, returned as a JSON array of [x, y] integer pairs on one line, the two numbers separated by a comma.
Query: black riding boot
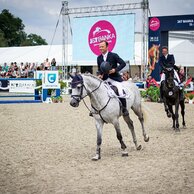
[[124, 106]]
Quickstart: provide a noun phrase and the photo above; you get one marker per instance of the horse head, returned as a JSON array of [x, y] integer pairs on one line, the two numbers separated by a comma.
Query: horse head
[[77, 90], [169, 78]]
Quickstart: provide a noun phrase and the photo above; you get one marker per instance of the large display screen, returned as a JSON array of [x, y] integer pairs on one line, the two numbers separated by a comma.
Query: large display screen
[[118, 30]]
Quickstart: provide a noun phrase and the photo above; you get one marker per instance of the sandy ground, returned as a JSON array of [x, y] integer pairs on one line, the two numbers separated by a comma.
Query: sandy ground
[[47, 149]]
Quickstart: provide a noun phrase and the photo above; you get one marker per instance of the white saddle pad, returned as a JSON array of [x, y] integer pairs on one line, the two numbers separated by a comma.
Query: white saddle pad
[[111, 92]]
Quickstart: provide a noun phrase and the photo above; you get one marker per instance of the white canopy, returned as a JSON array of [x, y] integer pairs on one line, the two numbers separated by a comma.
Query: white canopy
[[183, 51]]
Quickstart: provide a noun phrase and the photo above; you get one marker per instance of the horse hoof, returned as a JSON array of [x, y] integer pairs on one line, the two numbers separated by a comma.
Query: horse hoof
[[169, 115], [146, 139], [184, 127], [95, 158], [139, 147], [177, 130], [125, 154]]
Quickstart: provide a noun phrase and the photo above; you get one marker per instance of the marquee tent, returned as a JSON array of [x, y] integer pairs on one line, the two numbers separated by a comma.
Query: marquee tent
[[183, 51]]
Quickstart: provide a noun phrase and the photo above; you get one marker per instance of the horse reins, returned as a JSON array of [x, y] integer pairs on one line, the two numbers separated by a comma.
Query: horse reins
[[88, 94]]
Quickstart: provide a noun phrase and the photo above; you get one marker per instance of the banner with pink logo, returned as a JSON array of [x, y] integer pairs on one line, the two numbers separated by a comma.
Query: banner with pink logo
[[88, 32]]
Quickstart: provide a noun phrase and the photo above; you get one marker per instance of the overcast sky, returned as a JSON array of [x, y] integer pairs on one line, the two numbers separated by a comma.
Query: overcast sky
[[40, 16]]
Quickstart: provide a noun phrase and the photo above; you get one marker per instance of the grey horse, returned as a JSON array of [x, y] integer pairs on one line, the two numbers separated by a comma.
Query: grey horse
[[106, 108]]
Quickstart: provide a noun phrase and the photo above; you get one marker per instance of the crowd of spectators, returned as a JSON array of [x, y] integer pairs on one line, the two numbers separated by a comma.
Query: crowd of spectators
[[26, 70]]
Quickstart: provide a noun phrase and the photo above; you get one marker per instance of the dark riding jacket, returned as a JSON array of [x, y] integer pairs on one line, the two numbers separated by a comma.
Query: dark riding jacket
[[167, 62], [114, 60]]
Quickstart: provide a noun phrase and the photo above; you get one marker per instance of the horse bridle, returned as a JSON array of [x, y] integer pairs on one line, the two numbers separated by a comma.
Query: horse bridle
[[79, 97], [170, 78]]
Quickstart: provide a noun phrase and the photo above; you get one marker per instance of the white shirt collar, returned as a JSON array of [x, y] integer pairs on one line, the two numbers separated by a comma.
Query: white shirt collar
[[105, 56]]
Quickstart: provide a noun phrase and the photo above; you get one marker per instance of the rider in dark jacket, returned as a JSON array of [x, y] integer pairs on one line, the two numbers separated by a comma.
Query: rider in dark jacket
[[168, 61], [112, 70]]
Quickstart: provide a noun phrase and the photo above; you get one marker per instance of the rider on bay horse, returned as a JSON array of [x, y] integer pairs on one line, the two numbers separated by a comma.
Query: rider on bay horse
[[108, 69], [167, 61]]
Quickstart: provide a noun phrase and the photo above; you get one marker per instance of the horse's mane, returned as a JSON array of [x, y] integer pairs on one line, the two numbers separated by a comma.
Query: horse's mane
[[92, 76]]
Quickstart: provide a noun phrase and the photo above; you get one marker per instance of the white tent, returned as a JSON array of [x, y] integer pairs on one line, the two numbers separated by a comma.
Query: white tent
[[183, 51], [35, 54]]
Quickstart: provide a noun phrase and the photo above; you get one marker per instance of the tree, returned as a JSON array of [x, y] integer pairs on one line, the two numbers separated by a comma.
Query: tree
[[33, 40], [12, 32], [3, 41], [12, 28]]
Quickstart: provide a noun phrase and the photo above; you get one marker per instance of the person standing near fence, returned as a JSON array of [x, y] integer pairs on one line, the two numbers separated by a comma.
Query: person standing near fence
[[47, 64], [53, 64]]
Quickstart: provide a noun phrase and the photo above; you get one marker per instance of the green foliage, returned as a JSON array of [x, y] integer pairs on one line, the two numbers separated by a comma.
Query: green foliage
[[33, 40], [191, 96], [3, 41], [62, 85], [152, 93], [12, 32], [12, 28], [57, 99]]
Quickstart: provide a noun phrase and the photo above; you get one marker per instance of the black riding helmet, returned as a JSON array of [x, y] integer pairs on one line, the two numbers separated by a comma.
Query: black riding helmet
[[105, 67]]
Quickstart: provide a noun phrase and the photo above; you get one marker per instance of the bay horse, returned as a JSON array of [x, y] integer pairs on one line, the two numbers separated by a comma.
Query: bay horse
[[173, 96], [106, 108]]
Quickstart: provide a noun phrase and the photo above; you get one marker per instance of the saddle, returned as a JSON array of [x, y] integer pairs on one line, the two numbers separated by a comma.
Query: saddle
[[115, 89], [114, 92]]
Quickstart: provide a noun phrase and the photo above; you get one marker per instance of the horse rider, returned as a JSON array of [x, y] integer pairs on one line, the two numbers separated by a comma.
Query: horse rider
[[168, 61], [108, 69]]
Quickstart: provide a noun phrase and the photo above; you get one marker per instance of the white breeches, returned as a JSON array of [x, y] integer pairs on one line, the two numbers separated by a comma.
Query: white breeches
[[175, 76], [118, 85]]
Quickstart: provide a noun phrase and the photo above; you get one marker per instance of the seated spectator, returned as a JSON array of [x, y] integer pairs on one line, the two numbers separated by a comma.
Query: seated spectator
[[151, 82], [5, 69]]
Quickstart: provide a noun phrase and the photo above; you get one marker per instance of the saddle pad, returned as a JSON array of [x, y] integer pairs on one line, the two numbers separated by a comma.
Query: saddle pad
[[113, 91]]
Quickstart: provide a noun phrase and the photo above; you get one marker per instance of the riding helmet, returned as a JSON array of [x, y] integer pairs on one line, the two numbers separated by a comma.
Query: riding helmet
[[105, 67]]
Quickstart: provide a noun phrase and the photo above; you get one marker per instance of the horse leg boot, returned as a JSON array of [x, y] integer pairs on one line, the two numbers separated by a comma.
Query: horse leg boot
[[173, 116], [182, 104], [177, 116], [161, 91], [124, 107], [120, 138], [99, 126]]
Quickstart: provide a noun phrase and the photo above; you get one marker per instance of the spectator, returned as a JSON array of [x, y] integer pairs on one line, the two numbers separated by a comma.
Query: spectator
[[47, 64], [151, 82], [53, 64], [4, 70], [181, 74]]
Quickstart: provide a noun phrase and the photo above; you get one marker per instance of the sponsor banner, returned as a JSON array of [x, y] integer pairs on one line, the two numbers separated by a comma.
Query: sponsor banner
[[158, 37], [154, 47], [4, 85], [38, 74], [22, 86], [117, 30], [50, 79]]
